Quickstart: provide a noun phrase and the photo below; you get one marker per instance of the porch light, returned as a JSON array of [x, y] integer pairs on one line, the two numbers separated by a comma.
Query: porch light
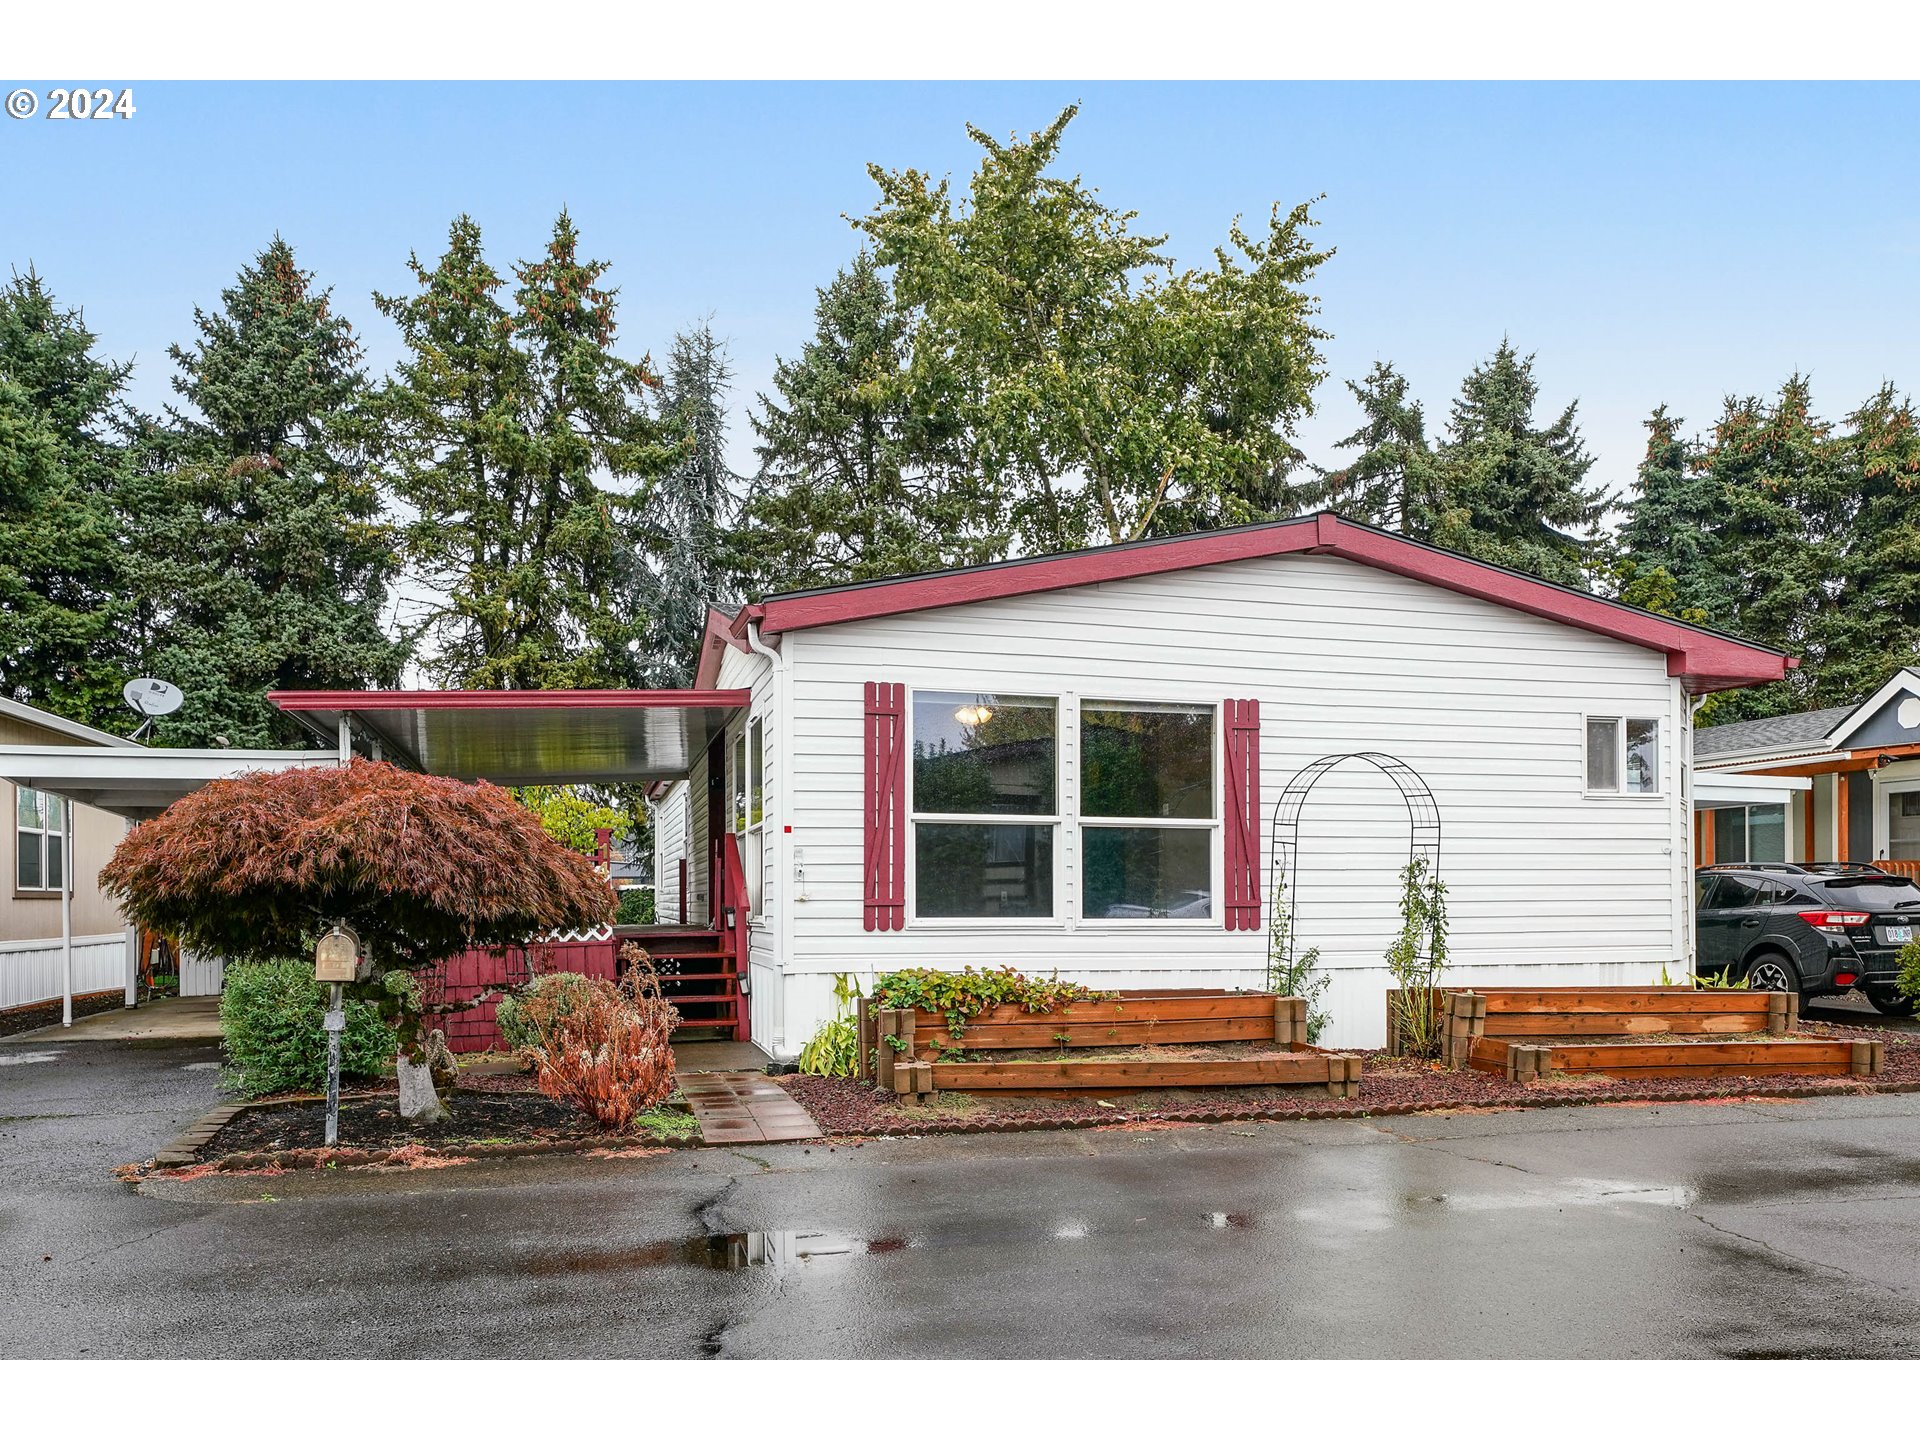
[[973, 714]]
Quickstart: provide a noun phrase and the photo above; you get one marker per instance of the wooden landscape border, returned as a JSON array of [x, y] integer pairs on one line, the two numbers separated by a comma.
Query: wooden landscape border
[[1526, 1032], [902, 1050]]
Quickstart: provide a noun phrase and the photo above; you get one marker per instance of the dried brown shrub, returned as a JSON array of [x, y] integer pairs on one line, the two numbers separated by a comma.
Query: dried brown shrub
[[608, 1048]]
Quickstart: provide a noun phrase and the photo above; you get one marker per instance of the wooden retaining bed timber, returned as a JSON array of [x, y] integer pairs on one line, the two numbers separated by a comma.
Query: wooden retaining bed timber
[[906, 1049], [1527, 1033]]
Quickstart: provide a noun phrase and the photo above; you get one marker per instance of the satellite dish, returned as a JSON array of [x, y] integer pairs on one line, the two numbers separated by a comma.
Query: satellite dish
[[152, 698]]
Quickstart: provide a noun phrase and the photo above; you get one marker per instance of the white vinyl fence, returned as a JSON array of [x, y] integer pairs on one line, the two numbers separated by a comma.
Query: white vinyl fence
[[30, 969]]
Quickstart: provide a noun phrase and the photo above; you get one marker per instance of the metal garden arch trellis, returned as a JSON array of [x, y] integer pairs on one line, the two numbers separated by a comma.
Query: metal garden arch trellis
[[1423, 835]]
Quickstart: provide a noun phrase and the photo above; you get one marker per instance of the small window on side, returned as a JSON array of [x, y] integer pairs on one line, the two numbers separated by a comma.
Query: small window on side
[[1603, 754]]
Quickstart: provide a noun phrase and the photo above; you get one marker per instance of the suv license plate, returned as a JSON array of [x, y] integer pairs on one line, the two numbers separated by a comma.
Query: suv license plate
[[1897, 934]]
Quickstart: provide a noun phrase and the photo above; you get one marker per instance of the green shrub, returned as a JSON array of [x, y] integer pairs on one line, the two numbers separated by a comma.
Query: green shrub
[[636, 908], [962, 994], [515, 1017], [272, 1012], [1908, 983]]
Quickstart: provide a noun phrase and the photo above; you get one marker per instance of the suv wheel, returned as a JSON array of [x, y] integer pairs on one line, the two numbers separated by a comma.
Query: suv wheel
[[1773, 971], [1896, 1007]]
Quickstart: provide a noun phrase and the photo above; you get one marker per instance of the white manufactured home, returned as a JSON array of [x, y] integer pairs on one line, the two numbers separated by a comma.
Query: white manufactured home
[[1072, 764]]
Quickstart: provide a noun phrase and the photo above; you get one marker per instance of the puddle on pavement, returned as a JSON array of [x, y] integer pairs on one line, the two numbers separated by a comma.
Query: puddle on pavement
[[787, 1249], [741, 1250], [34, 1057], [1374, 1213]]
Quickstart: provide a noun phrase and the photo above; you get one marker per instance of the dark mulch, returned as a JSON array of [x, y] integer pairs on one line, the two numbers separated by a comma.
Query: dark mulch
[[47, 1012], [843, 1106], [372, 1122]]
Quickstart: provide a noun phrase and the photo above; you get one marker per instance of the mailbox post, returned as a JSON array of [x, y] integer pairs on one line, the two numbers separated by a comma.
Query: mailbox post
[[336, 960]]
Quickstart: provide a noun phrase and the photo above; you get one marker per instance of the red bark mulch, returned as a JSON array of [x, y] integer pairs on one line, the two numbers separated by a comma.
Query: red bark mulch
[[843, 1106]]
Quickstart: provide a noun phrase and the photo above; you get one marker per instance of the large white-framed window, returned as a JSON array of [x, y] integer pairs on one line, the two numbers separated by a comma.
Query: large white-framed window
[[984, 806], [1623, 755], [1149, 811], [39, 841]]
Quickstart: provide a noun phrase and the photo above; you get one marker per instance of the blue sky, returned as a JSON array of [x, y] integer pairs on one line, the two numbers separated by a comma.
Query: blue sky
[[1649, 242]]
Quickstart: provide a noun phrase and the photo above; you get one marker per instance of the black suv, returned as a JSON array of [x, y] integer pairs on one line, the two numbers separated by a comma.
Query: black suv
[[1820, 929]]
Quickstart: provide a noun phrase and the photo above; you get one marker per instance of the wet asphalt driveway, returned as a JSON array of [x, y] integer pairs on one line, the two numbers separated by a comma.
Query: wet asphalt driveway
[[1753, 1229]]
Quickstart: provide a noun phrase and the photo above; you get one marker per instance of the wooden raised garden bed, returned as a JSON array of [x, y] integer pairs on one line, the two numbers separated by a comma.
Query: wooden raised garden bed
[[1639, 1033], [909, 1049]]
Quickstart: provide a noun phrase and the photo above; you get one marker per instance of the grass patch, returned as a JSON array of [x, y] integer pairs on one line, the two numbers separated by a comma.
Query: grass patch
[[663, 1123]]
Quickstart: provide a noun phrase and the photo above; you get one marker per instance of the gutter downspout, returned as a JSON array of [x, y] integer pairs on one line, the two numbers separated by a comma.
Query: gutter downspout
[[783, 791], [1693, 823]]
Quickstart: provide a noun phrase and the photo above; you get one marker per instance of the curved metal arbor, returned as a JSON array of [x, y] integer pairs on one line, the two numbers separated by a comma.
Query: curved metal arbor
[[1423, 832]]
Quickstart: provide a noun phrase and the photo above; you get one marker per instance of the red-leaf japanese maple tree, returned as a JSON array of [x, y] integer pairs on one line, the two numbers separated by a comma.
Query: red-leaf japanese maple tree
[[421, 867]]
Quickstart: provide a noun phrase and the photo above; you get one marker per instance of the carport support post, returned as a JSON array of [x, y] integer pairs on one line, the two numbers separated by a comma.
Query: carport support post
[[66, 912], [335, 1022]]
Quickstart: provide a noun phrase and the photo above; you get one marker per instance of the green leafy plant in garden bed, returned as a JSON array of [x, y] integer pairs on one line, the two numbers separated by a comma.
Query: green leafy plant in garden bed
[[961, 995], [834, 1048], [271, 1012]]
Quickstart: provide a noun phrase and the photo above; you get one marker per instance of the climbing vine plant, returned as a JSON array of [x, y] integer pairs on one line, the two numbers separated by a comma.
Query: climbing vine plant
[[1290, 972], [1417, 958]]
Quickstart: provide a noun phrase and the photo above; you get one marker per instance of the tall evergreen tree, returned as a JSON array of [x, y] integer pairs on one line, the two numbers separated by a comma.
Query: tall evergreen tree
[[1515, 492], [524, 444], [1499, 487], [1774, 465], [1872, 628], [695, 503], [257, 555], [62, 453], [854, 482], [1670, 544], [1395, 483]]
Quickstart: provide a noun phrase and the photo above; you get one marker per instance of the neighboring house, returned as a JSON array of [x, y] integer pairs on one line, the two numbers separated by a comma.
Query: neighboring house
[[48, 764], [32, 960], [1856, 773], [1071, 763]]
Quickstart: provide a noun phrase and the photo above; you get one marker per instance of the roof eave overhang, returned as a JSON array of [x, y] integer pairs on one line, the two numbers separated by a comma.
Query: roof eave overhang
[[1702, 660], [527, 737]]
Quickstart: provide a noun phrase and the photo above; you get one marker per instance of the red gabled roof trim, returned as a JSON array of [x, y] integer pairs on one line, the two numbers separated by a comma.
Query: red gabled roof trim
[[721, 630], [353, 700], [1704, 659]]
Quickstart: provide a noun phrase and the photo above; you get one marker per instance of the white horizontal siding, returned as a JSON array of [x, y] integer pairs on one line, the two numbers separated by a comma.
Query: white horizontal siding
[[30, 970], [1485, 702]]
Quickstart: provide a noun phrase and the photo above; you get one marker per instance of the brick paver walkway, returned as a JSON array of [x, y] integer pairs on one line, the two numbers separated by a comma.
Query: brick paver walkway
[[742, 1108]]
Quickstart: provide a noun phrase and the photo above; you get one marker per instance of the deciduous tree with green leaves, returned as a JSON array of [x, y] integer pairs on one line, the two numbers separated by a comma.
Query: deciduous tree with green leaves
[[1100, 395]]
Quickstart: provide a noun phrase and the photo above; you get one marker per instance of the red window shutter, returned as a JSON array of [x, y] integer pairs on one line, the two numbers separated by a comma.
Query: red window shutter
[[1241, 807], [885, 906]]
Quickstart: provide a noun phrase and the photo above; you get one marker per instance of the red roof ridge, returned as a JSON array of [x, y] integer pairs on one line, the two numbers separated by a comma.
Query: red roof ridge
[[1703, 659]]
